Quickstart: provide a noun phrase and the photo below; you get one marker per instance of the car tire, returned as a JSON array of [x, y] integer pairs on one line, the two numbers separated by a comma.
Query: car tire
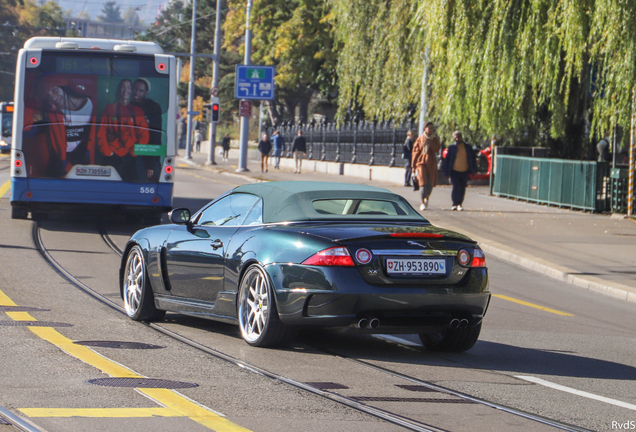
[[451, 340], [139, 300], [257, 313]]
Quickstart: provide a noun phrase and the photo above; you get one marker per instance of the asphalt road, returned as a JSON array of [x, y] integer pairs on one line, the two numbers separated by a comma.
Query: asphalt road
[[538, 333]]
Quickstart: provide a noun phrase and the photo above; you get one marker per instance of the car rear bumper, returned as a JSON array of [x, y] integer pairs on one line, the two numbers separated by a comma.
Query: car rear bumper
[[340, 297]]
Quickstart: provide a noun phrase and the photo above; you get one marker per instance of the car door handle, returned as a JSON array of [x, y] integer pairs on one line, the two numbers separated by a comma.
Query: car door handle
[[216, 244]]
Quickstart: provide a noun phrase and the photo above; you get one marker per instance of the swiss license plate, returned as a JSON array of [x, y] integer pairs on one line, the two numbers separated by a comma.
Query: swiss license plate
[[415, 266], [93, 171]]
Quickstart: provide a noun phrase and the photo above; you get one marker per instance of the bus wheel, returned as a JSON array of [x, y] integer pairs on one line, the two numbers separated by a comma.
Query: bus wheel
[[19, 213]]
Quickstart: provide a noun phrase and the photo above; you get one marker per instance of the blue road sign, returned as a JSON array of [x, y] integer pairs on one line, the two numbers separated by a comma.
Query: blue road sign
[[254, 82]]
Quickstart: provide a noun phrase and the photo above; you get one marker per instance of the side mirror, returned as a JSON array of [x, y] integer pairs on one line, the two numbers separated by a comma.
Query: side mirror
[[179, 216]]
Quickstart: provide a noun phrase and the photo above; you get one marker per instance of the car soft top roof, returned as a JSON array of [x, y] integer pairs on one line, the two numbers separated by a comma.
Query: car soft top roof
[[291, 201]]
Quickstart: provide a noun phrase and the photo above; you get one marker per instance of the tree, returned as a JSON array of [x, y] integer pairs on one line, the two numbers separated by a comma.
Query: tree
[[172, 31], [21, 22], [111, 13], [296, 37], [379, 64], [536, 71], [130, 17]]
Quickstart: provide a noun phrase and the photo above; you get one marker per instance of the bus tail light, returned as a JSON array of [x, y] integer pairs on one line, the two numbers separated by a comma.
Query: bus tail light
[[18, 163], [155, 199], [33, 60], [29, 194], [169, 169]]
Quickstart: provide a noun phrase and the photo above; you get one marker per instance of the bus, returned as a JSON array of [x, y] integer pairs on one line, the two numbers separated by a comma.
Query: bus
[[95, 128], [6, 122]]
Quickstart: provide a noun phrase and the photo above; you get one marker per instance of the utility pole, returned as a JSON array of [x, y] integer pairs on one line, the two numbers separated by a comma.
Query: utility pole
[[215, 80], [193, 41], [245, 121]]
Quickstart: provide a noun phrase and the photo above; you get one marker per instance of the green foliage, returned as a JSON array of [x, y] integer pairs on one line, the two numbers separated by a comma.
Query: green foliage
[[111, 13], [541, 71], [21, 21], [379, 65], [296, 37]]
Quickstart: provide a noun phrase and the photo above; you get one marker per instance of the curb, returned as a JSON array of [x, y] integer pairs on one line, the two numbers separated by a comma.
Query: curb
[[563, 274]]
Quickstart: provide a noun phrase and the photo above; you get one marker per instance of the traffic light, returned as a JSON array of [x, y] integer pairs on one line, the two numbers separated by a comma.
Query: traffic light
[[216, 111]]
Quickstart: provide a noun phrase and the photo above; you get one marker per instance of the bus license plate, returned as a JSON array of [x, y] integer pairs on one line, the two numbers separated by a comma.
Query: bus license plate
[[93, 172], [415, 266]]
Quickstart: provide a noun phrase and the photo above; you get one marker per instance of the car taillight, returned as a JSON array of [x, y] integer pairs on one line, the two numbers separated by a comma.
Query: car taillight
[[335, 256], [479, 259]]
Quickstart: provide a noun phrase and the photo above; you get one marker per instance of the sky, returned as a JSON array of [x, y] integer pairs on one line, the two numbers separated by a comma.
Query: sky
[[148, 9]]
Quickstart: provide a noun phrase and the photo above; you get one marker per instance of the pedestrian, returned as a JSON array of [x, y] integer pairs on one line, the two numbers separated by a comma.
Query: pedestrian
[[198, 137], [264, 147], [299, 149], [424, 162], [279, 147], [407, 150], [603, 147], [225, 144], [459, 164]]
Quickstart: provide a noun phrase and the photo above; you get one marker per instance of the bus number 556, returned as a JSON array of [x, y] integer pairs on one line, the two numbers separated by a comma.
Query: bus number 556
[[147, 190]]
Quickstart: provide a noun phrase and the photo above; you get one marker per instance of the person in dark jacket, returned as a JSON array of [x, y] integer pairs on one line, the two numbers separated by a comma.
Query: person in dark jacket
[[279, 147], [459, 164], [264, 147], [299, 149], [226, 146], [407, 148]]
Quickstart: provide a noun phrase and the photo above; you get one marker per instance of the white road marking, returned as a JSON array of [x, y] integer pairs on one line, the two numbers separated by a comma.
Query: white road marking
[[577, 392], [398, 340]]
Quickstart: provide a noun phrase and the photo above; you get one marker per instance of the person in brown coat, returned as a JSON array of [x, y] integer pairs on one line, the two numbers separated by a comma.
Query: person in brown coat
[[424, 162]]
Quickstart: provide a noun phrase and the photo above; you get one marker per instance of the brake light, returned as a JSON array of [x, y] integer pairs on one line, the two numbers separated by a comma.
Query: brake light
[[335, 256], [479, 259], [18, 163], [168, 169], [416, 235]]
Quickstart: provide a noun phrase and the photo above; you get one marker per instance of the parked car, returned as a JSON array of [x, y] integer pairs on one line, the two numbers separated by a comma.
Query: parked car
[[276, 257]]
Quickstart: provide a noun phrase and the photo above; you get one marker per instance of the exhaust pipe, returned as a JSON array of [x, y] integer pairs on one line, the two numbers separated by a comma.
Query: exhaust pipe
[[463, 324], [362, 323], [374, 323], [454, 323]]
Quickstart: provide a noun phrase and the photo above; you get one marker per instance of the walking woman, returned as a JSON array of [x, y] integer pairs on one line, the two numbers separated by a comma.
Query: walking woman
[[424, 162]]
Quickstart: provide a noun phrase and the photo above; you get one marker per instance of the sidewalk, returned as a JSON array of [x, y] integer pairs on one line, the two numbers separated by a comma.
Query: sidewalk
[[591, 251]]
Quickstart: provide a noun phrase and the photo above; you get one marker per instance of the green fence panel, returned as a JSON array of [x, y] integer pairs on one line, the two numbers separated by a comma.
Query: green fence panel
[[574, 184]]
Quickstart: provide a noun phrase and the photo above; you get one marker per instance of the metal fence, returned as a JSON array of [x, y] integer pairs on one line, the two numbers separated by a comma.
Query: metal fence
[[367, 143], [575, 184]]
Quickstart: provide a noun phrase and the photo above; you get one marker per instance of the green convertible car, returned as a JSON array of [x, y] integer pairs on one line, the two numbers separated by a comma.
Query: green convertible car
[[275, 257]]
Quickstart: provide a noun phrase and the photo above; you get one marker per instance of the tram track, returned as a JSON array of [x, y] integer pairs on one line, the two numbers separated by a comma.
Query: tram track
[[393, 418]]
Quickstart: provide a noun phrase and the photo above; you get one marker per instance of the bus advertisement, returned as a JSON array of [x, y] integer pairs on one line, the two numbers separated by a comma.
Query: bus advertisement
[[94, 122], [6, 122]]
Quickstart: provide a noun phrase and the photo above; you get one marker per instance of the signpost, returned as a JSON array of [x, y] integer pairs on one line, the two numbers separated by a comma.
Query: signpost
[[246, 108], [254, 82]]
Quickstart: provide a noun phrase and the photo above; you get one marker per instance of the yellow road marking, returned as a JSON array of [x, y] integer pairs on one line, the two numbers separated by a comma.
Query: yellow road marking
[[4, 188], [521, 302], [174, 405], [100, 412]]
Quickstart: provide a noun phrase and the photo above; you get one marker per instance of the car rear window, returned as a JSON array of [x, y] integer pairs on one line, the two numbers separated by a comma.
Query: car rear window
[[359, 207]]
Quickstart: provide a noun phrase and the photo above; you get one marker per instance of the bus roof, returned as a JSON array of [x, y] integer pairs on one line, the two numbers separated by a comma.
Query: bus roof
[[93, 43]]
